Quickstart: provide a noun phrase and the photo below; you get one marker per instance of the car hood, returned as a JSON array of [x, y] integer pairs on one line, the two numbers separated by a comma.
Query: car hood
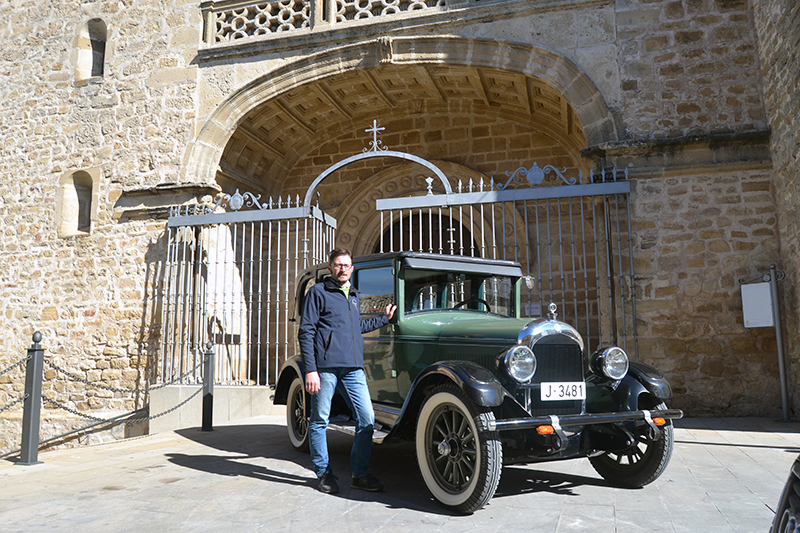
[[463, 326]]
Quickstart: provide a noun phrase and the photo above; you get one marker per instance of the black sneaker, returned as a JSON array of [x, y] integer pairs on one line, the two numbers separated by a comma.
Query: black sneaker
[[369, 483], [327, 483]]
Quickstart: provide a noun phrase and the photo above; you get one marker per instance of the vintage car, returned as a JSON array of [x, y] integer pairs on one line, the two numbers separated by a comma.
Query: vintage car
[[476, 387], [787, 515]]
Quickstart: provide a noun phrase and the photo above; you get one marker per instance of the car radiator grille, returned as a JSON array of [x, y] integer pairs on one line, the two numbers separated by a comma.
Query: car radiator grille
[[555, 362]]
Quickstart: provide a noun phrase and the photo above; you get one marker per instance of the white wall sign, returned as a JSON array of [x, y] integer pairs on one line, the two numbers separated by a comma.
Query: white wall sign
[[757, 305]]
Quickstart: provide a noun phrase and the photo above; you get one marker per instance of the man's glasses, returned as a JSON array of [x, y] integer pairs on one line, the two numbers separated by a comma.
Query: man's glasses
[[339, 266]]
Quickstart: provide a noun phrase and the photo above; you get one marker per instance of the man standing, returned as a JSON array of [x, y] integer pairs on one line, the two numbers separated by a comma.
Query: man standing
[[333, 354]]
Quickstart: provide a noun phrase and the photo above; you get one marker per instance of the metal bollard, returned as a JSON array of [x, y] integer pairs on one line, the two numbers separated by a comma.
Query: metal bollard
[[29, 452], [208, 388]]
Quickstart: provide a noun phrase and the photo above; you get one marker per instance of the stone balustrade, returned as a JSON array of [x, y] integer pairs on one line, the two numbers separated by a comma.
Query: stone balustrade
[[235, 20]]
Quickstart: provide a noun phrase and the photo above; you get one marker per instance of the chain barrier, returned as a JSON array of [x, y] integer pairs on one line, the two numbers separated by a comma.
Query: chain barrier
[[63, 407], [15, 365], [12, 404], [9, 369], [117, 389], [35, 376]]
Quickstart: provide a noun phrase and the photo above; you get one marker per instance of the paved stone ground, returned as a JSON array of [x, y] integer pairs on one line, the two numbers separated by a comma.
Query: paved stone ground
[[725, 476]]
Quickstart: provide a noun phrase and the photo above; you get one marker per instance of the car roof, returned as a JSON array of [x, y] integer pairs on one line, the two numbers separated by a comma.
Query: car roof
[[424, 260]]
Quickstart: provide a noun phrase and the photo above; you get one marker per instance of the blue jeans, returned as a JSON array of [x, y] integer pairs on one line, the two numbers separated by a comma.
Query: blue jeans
[[352, 383]]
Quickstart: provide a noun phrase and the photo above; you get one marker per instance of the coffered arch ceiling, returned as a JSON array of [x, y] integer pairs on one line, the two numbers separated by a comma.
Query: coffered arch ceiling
[[274, 136]]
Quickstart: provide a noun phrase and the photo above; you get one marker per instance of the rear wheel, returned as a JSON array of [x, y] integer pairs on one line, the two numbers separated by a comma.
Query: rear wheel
[[297, 415], [642, 462], [460, 460]]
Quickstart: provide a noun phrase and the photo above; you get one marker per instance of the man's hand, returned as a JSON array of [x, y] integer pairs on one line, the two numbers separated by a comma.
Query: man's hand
[[312, 382], [389, 312]]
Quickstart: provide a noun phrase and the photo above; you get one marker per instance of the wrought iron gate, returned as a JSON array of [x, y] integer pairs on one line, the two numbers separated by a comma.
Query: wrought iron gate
[[229, 279], [572, 236]]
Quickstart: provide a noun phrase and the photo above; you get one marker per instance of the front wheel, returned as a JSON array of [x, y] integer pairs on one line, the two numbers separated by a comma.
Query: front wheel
[[642, 462], [297, 415], [459, 461]]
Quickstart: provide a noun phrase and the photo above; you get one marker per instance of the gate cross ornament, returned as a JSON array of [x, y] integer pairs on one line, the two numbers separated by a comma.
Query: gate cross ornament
[[375, 143]]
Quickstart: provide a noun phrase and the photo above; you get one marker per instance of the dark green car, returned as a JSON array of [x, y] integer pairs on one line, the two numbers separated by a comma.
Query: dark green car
[[476, 386]]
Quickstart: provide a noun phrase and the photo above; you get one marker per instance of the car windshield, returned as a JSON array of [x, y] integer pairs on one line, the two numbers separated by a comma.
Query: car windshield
[[427, 290]]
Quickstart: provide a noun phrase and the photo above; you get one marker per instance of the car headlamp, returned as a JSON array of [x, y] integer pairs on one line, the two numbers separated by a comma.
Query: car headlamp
[[611, 363], [520, 363]]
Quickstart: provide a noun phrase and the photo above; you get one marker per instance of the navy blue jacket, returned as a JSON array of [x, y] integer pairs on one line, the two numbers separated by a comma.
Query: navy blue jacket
[[331, 328]]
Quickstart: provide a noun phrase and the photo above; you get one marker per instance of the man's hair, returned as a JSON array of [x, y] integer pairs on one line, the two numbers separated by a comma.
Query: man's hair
[[337, 252]]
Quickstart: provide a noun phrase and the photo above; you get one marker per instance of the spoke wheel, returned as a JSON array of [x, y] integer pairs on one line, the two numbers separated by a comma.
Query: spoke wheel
[[461, 465], [641, 463], [297, 416]]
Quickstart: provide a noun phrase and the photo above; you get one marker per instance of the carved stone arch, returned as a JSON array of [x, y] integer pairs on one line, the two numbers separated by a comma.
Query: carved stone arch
[[359, 223], [203, 156]]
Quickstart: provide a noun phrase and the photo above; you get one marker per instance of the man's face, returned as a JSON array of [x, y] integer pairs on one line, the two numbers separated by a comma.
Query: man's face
[[341, 269]]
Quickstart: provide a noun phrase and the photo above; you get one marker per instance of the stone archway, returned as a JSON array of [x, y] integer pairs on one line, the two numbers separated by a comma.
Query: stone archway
[[202, 158]]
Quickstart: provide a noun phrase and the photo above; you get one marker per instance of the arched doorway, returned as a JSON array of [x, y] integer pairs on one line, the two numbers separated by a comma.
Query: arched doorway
[[479, 110]]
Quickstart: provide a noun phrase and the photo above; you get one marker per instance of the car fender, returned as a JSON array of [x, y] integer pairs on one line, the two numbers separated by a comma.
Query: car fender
[[478, 384], [293, 367], [641, 379]]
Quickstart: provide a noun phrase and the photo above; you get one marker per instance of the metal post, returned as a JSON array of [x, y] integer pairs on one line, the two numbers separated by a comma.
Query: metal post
[[208, 388], [32, 404], [776, 319]]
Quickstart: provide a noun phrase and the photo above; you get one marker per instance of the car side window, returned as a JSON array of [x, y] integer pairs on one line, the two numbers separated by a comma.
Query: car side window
[[376, 288]]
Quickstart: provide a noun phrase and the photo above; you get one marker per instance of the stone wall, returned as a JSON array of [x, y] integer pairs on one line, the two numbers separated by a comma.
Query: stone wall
[[688, 68], [778, 23], [696, 237], [91, 295], [704, 218]]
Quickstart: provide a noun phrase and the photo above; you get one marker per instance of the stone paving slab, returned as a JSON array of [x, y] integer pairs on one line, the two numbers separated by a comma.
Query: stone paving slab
[[726, 475]]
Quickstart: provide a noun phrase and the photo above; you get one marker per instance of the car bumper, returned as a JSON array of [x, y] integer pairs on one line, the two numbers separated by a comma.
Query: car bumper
[[584, 419]]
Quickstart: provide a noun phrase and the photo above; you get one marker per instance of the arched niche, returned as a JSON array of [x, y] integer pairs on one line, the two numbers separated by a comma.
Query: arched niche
[[76, 202], [90, 47]]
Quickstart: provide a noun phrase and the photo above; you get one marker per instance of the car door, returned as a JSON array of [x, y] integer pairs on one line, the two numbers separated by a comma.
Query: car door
[[377, 290]]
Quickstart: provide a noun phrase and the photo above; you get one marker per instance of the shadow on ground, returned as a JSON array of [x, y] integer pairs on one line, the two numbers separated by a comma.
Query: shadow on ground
[[528, 480], [395, 464]]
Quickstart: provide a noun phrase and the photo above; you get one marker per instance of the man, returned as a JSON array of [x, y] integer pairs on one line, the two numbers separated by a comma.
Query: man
[[333, 355]]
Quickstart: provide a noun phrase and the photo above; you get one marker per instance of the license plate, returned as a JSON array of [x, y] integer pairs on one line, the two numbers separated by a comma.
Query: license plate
[[563, 390]]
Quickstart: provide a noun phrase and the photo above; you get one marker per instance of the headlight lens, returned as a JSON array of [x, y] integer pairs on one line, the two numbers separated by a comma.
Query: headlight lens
[[612, 363], [520, 363]]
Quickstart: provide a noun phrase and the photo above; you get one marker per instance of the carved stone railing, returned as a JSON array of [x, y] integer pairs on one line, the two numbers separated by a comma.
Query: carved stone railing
[[235, 20]]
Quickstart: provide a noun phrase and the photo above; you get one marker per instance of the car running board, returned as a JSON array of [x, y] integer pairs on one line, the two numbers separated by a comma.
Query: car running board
[[349, 427]]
